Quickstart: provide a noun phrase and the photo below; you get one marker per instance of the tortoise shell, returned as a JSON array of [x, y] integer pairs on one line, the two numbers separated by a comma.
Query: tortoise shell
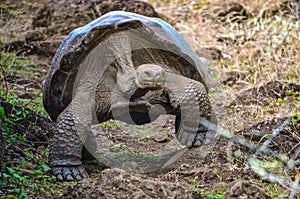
[[152, 41]]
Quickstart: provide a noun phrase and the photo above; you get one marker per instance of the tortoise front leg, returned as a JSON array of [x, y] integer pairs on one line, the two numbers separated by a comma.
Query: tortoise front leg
[[191, 100], [73, 125]]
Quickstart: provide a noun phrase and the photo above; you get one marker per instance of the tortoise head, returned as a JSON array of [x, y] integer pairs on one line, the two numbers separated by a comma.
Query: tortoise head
[[150, 76]]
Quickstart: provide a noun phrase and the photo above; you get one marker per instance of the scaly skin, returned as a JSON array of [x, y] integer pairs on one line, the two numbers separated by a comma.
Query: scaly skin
[[191, 98], [74, 123]]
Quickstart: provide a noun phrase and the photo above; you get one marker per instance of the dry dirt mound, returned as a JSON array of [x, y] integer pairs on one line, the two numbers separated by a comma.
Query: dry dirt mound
[[57, 18], [191, 174], [62, 16], [116, 183], [240, 189]]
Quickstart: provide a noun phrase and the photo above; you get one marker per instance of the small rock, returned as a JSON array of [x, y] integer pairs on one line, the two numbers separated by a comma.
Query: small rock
[[160, 138], [33, 35]]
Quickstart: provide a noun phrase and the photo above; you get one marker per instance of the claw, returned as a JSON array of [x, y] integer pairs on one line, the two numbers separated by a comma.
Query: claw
[[78, 177], [59, 177], [69, 178], [75, 172], [83, 173], [199, 138], [69, 173], [66, 173], [79, 173]]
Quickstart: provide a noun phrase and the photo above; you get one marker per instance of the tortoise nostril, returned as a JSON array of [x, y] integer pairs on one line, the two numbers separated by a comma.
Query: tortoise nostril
[[147, 73]]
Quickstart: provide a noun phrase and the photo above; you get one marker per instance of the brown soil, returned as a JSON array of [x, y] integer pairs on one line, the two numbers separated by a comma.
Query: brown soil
[[37, 32]]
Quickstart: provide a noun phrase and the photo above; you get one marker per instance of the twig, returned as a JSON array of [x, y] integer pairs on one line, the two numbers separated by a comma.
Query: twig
[[255, 165], [295, 186], [282, 157], [272, 136]]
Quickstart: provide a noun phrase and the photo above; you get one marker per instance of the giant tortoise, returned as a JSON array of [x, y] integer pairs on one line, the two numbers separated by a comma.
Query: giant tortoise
[[120, 66]]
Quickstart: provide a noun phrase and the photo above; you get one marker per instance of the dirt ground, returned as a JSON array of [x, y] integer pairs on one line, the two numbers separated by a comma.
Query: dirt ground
[[255, 94]]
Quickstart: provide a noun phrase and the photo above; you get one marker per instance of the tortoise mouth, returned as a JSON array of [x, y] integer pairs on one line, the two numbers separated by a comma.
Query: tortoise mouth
[[152, 84]]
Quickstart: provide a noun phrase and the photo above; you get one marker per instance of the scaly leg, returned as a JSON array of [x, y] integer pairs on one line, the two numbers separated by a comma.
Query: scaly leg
[[67, 144], [191, 99]]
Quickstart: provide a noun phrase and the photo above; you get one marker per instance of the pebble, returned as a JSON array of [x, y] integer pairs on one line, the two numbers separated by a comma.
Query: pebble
[[160, 138]]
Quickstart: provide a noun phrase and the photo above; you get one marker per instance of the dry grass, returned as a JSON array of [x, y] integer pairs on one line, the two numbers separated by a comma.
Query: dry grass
[[266, 45], [259, 41]]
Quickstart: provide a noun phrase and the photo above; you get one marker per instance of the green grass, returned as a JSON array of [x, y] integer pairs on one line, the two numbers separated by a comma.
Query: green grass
[[194, 184], [108, 125], [31, 174], [35, 104], [143, 135], [19, 67], [94, 170], [4, 5]]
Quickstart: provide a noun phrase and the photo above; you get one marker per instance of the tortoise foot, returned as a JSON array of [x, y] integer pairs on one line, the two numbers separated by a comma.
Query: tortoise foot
[[199, 138], [69, 173]]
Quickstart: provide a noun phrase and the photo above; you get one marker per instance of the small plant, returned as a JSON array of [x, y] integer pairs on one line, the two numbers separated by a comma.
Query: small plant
[[19, 68], [22, 181], [31, 174], [142, 137], [194, 184], [108, 125], [142, 142], [280, 101], [143, 134], [94, 169], [120, 145], [216, 195], [296, 120]]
